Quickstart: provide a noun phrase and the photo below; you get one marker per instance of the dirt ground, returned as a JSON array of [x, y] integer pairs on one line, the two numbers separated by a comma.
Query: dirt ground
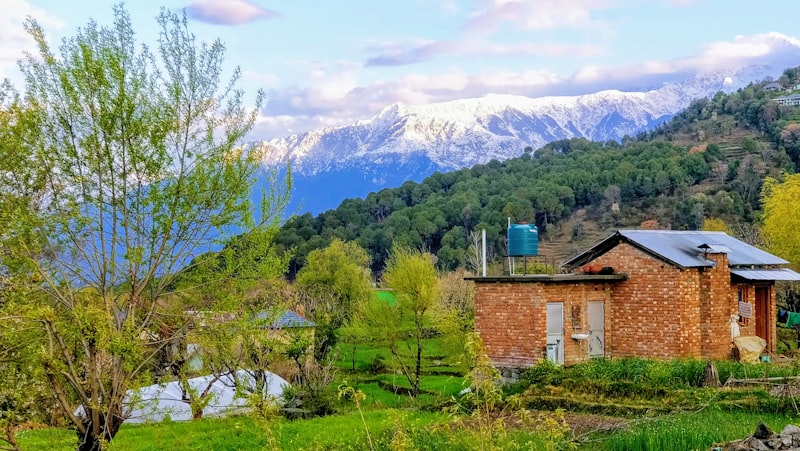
[[581, 424]]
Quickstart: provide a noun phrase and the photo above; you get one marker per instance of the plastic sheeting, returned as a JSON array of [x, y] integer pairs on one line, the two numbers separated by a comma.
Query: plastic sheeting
[[735, 331], [750, 348], [155, 403]]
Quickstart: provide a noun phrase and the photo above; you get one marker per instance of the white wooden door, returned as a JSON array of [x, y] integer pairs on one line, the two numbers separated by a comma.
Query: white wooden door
[[597, 322], [555, 332]]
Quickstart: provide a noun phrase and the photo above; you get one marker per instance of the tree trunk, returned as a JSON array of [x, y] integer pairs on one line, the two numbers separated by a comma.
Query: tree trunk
[[90, 442], [10, 437], [418, 368], [197, 411]]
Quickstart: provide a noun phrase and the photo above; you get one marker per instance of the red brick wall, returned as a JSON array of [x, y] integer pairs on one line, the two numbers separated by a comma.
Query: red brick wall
[[660, 311], [656, 312], [773, 314], [511, 319], [715, 309], [511, 322]]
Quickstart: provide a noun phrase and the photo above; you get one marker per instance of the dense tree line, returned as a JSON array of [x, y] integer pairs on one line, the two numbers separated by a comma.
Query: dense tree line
[[751, 108], [440, 213]]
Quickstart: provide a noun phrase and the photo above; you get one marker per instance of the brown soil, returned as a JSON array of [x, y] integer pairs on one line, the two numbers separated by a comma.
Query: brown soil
[[583, 424]]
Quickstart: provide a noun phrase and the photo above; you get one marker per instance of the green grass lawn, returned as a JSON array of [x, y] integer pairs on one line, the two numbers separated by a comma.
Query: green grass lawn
[[209, 434], [438, 356], [386, 429], [390, 427], [661, 401], [442, 386], [686, 431], [339, 432]]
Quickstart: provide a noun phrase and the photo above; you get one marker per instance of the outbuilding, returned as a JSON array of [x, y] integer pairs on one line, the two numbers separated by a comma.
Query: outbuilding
[[644, 293]]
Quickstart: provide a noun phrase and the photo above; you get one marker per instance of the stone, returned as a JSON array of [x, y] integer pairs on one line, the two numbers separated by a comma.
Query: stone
[[752, 444], [762, 431], [790, 429], [774, 442]]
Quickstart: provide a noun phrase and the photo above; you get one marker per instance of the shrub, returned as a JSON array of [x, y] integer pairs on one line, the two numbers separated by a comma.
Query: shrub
[[378, 365], [544, 372]]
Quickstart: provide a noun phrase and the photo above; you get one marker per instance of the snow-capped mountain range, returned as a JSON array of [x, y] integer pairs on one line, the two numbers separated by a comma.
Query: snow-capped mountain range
[[405, 142]]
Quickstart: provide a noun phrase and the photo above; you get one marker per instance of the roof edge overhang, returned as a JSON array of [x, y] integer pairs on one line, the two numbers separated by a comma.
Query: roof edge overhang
[[550, 278], [613, 240], [764, 274]]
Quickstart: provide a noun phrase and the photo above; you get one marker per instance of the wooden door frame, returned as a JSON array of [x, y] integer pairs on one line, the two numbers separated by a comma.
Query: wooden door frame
[[764, 321]]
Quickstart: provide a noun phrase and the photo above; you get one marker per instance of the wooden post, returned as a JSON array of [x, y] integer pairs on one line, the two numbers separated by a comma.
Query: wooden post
[[710, 376]]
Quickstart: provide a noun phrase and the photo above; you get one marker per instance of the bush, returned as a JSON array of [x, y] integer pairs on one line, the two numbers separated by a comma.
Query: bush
[[544, 372], [667, 373], [378, 365], [308, 403]]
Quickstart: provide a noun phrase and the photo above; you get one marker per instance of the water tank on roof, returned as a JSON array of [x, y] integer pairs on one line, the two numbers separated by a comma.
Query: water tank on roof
[[523, 240]]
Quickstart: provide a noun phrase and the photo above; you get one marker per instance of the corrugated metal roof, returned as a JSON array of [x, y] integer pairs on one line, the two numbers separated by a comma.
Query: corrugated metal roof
[[287, 319], [681, 247], [766, 274], [291, 319]]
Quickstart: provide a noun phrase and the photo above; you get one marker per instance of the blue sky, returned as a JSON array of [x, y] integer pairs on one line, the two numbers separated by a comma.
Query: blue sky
[[325, 63]]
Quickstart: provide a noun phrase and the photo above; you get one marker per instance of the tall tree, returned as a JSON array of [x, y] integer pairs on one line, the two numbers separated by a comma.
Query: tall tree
[[781, 221], [401, 327], [336, 279], [22, 397], [455, 310], [140, 168]]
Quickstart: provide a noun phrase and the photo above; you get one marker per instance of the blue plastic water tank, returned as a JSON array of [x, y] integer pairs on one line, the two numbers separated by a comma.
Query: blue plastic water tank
[[523, 239]]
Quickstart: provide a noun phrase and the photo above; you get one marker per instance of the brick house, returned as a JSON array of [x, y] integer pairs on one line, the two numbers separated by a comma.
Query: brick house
[[661, 294]]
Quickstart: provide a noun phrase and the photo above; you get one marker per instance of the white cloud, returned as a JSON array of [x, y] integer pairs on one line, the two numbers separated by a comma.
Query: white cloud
[[13, 38], [743, 48], [767, 48], [511, 81], [227, 12], [681, 3], [537, 15], [335, 97], [416, 51]]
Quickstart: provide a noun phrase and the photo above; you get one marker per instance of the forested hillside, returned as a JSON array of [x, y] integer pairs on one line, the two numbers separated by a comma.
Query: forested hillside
[[709, 162]]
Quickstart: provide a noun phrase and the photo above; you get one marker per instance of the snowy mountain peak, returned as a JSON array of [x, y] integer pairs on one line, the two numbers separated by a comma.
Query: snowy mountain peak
[[406, 142]]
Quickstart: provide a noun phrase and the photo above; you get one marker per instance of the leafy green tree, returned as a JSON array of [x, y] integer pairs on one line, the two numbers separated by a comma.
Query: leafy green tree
[[139, 168], [22, 394], [749, 144], [781, 221], [336, 280], [716, 225], [23, 387], [455, 310], [402, 327]]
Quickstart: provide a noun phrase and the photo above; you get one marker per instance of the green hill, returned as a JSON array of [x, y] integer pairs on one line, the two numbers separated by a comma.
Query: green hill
[[707, 162]]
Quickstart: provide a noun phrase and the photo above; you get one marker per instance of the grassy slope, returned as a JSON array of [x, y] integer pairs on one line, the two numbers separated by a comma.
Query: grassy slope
[[636, 389], [418, 430], [334, 432]]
